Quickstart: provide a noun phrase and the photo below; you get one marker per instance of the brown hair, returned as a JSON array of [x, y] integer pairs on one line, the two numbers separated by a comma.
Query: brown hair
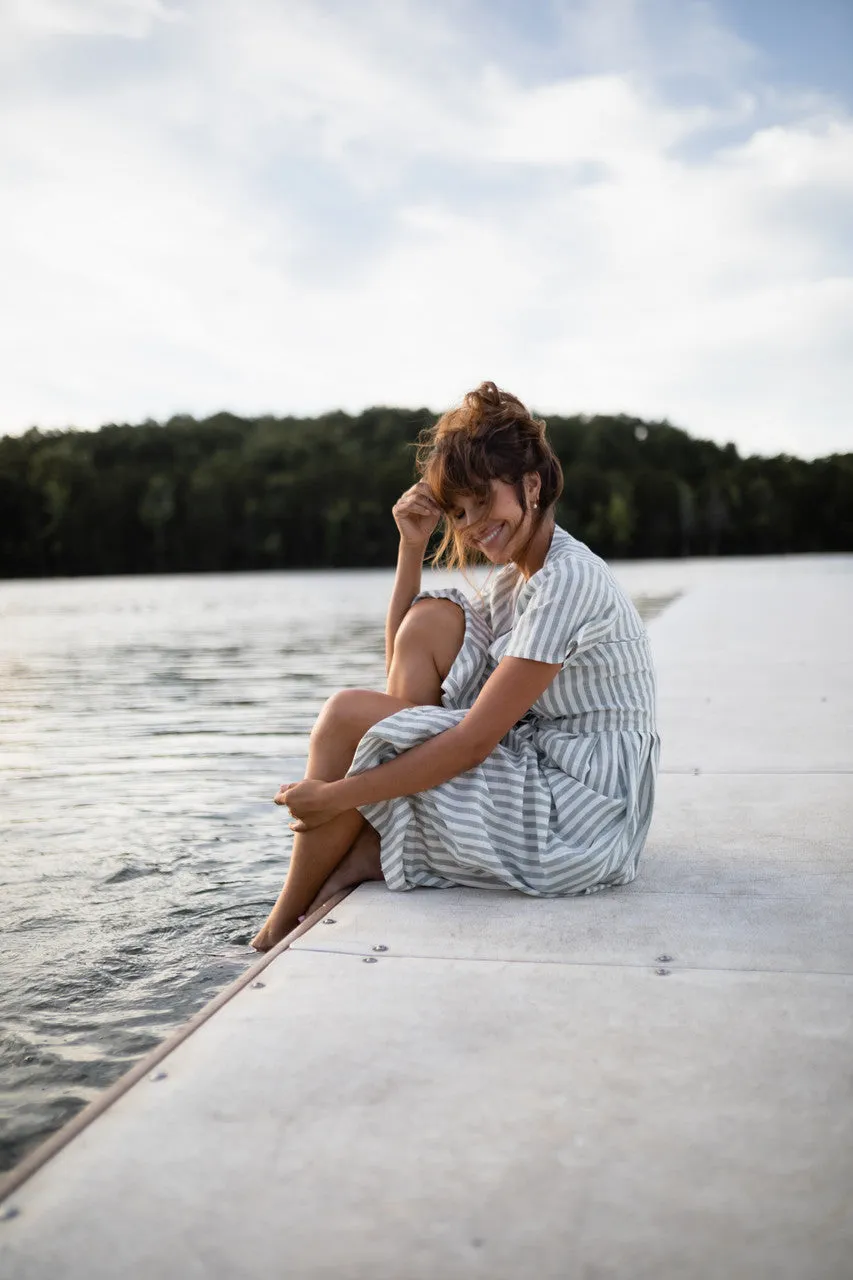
[[490, 436]]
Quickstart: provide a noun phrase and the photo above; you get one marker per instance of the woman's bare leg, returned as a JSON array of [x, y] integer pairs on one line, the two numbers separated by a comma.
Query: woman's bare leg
[[360, 863], [427, 642], [426, 645], [429, 639], [342, 723]]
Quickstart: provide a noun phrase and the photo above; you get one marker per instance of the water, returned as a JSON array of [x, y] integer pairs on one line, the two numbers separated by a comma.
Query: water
[[146, 725]]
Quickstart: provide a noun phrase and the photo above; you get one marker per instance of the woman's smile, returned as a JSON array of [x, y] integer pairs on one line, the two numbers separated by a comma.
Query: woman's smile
[[491, 535]]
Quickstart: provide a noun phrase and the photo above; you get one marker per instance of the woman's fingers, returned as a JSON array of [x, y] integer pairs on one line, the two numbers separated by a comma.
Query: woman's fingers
[[425, 499], [418, 506], [419, 498], [312, 822]]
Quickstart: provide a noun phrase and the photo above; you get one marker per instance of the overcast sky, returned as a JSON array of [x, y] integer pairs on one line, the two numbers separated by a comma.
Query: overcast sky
[[288, 206]]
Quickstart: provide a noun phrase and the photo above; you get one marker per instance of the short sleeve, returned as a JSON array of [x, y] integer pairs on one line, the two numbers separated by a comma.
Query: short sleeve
[[571, 609]]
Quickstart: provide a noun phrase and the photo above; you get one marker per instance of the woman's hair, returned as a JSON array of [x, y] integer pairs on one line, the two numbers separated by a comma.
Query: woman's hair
[[490, 436]]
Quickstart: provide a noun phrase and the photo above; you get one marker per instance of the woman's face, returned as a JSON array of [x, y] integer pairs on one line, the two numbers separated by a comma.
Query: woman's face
[[496, 526]]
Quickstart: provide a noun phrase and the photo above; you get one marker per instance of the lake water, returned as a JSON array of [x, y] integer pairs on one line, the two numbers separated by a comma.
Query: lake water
[[146, 725]]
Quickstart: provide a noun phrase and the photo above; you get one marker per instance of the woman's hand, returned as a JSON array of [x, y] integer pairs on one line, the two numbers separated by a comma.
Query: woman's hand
[[310, 803], [416, 514]]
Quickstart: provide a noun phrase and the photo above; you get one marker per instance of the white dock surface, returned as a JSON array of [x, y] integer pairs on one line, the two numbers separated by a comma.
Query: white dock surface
[[652, 1082]]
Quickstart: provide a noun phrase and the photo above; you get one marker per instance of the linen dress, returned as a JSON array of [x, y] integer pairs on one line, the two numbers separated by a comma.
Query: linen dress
[[562, 805]]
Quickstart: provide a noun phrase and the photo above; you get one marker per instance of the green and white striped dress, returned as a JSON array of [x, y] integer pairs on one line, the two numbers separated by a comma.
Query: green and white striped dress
[[563, 803]]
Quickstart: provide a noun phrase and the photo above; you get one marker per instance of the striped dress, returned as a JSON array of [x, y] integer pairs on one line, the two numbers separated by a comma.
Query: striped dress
[[563, 803]]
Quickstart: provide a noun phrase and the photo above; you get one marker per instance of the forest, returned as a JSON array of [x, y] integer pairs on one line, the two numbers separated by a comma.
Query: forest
[[230, 493]]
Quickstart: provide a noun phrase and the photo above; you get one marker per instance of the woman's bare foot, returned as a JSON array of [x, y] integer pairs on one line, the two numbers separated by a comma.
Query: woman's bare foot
[[261, 941], [360, 864], [271, 933]]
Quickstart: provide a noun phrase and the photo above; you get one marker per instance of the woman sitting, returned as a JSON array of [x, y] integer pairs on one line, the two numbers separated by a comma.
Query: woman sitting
[[516, 743]]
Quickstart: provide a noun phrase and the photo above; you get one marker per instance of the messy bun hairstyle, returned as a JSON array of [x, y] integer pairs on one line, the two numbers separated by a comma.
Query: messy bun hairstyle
[[490, 436]]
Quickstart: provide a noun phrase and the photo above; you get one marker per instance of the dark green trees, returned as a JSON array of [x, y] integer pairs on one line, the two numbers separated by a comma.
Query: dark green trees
[[231, 493]]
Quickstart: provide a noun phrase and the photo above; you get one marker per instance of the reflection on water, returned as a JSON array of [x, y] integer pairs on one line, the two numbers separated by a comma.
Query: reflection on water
[[146, 725]]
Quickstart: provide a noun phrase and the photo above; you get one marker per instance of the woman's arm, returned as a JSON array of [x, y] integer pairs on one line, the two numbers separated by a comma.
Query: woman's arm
[[416, 515], [407, 584], [507, 695]]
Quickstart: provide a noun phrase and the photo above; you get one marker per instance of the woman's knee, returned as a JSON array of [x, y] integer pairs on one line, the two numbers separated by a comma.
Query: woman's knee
[[437, 625], [349, 713], [339, 714]]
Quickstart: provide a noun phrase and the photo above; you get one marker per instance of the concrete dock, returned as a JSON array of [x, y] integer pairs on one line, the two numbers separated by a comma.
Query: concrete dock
[[651, 1082]]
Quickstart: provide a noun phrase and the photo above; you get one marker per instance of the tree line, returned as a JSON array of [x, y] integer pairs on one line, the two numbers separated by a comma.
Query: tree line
[[230, 493]]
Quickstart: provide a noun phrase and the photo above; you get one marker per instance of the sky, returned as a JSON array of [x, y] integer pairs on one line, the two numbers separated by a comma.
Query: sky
[[292, 206]]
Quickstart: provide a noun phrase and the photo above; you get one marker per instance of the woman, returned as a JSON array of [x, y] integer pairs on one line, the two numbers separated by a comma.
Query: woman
[[516, 743]]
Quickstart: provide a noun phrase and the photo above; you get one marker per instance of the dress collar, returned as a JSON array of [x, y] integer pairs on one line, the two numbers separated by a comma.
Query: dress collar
[[559, 538]]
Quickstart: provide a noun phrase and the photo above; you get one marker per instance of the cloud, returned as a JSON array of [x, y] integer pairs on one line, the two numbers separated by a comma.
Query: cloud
[[129, 18], [292, 207], [667, 40]]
